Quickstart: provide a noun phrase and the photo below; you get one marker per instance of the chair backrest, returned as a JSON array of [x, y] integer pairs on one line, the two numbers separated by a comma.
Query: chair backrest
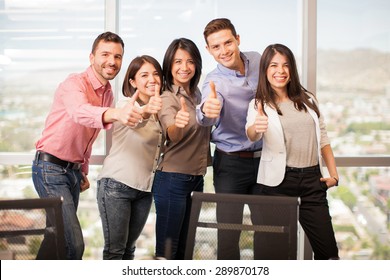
[[22, 221], [267, 217]]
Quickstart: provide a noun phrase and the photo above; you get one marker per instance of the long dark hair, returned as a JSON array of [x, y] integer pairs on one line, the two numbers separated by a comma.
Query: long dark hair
[[296, 92], [192, 49], [127, 89]]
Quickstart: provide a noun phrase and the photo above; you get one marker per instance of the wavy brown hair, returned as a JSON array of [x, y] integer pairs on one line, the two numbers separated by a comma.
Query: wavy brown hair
[[127, 89], [265, 94]]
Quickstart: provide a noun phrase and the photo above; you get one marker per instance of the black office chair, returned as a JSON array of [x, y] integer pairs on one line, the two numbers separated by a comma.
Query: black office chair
[[272, 221], [23, 219]]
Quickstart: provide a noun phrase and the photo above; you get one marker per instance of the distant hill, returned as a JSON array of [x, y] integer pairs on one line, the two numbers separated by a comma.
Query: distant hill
[[357, 70]]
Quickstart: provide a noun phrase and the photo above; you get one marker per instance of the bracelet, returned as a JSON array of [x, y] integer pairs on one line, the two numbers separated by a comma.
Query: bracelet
[[337, 181]]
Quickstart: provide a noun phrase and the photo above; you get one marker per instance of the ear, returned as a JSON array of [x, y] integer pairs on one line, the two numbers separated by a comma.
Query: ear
[[91, 58], [208, 49], [132, 83], [238, 39]]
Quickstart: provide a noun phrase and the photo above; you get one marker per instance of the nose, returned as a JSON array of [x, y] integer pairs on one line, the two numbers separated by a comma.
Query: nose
[[111, 60], [223, 49], [280, 69], [184, 66]]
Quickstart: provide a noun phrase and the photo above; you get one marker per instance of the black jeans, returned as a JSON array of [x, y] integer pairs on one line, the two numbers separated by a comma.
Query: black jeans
[[314, 214], [234, 175]]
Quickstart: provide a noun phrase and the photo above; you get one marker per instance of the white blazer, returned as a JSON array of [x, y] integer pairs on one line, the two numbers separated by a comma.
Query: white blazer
[[274, 155]]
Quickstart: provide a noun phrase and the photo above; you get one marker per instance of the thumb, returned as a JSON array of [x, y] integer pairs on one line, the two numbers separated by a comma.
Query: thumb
[[183, 104], [213, 93], [260, 110], [157, 90], [134, 97]]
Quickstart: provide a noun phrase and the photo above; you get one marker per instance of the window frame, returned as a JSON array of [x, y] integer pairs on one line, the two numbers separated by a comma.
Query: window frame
[[309, 80]]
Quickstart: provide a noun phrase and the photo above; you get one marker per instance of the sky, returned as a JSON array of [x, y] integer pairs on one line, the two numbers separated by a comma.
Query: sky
[[339, 27]]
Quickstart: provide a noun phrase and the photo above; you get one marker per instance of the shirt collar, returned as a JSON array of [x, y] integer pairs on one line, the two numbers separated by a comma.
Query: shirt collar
[[179, 90], [95, 81]]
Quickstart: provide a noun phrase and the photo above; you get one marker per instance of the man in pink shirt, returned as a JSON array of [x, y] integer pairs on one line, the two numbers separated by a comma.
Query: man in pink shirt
[[81, 108]]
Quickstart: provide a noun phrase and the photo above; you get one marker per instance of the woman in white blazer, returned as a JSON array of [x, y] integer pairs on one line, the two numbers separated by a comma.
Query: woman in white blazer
[[287, 118]]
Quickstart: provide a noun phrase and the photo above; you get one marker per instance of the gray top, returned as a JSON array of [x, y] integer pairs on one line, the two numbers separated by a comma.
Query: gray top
[[300, 136], [134, 154]]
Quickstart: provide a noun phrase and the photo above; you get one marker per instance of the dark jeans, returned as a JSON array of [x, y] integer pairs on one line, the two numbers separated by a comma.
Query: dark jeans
[[233, 175], [313, 212], [123, 211], [172, 197], [52, 180]]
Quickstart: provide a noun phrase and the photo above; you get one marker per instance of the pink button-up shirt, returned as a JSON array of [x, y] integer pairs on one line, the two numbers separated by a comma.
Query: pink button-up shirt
[[76, 118]]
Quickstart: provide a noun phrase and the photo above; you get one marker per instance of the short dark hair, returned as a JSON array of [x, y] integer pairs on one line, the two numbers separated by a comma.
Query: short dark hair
[[107, 37], [216, 25], [127, 89], [192, 49]]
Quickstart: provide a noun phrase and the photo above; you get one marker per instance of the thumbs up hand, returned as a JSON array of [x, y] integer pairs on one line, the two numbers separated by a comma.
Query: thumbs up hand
[[130, 114], [155, 103], [212, 105], [182, 116], [261, 121]]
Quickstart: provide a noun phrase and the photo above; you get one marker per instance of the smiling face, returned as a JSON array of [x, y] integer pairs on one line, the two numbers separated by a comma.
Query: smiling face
[[224, 47], [145, 81], [183, 69], [106, 61], [278, 73]]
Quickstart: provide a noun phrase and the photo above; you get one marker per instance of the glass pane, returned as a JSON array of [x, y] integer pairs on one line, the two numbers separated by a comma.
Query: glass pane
[[353, 74], [41, 43], [149, 27], [360, 209]]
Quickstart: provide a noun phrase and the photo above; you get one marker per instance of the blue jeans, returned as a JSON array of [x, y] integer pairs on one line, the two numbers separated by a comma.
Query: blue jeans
[[52, 180], [124, 212], [172, 197]]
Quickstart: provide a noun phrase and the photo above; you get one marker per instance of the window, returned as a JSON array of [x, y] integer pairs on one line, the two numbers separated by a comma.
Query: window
[[42, 42]]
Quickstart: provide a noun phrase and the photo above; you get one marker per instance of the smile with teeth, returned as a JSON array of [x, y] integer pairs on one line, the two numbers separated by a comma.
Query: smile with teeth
[[280, 78], [184, 75], [111, 69], [226, 57]]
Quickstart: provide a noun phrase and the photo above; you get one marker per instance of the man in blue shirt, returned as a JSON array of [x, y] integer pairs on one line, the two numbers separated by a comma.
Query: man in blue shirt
[[226, 94]]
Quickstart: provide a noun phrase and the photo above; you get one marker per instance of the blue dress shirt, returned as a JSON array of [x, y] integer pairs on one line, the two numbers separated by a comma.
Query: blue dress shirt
[[234, 91]]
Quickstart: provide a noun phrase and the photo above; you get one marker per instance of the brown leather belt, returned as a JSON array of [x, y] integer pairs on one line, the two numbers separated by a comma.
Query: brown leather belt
[[242, 154], [50, 158]]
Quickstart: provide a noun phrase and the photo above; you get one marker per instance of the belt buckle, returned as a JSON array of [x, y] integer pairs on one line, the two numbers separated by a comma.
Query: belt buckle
[[37, 154], [257, 154], [74, 165]]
